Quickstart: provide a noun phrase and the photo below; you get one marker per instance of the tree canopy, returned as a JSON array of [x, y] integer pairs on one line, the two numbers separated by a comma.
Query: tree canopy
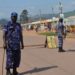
[[24, 16]]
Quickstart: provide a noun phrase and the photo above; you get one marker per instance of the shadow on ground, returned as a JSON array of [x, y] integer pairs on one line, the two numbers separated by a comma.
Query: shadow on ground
[[71, 50], [35, 70]]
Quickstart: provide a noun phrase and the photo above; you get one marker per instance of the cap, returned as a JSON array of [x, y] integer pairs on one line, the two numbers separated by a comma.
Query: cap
[[14, 14]]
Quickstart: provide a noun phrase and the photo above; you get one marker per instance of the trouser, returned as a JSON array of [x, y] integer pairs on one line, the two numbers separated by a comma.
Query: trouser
[[13, 59], [60, 42]]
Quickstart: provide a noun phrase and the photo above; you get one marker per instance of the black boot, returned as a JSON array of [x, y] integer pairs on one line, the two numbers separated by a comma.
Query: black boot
[[61, 49], [15, 71], [8, 72]]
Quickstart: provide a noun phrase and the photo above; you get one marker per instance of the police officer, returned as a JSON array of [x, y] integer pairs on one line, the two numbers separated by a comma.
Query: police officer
[[13, 42], [61, 35]]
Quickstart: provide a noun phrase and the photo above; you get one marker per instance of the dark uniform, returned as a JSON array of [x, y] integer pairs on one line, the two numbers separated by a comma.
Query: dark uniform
[[13, 44], [13, 32]]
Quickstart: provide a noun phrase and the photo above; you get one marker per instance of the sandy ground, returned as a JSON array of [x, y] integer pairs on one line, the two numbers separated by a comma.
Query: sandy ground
[[37, 60]]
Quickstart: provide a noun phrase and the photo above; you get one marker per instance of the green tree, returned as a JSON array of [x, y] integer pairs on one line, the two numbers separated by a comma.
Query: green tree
[[24, 16]]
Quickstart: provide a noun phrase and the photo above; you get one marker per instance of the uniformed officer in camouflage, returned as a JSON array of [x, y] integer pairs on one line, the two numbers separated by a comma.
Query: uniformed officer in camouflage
[[61, 34], [13, 42]]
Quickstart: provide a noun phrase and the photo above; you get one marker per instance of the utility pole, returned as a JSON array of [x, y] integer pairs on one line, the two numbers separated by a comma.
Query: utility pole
[[52, 12], [40, 14], [60, 8]]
